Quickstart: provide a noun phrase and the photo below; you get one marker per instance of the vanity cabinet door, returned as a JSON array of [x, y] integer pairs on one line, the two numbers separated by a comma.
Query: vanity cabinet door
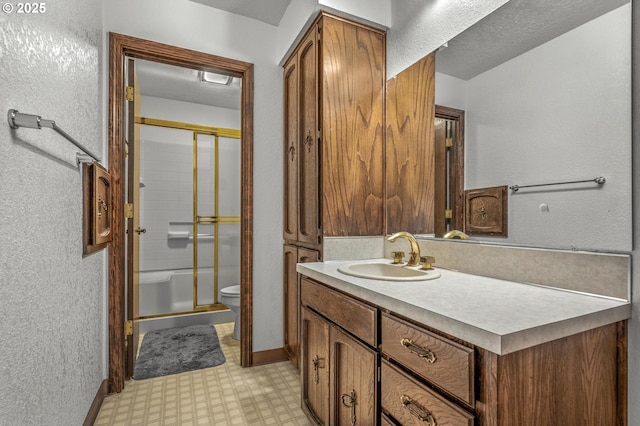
[[353, 381], [315, 366]]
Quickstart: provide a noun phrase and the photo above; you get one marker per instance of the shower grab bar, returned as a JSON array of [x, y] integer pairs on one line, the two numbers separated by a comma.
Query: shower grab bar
[[599, 180], [177, 235], [18, 119]]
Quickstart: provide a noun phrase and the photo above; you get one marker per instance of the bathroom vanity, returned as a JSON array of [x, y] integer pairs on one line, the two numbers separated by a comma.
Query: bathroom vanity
[[458, 350]]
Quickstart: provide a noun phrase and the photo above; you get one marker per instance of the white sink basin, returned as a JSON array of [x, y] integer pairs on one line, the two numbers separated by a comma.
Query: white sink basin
[[388, 271]]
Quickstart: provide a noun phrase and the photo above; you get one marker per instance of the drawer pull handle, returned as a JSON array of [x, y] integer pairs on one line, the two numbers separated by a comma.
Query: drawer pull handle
[[316, 362], [417, 411], [425, 353], [349, 401]]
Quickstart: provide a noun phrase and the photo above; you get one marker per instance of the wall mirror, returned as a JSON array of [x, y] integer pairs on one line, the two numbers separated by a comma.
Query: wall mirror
[[546, 91]]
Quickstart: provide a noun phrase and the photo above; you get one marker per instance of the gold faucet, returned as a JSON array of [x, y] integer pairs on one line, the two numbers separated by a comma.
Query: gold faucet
[[459, 235], [414, 256]]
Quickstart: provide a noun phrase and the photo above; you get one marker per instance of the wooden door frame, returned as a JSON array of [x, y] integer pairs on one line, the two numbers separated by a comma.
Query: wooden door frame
[[119, 47], [457, 164]]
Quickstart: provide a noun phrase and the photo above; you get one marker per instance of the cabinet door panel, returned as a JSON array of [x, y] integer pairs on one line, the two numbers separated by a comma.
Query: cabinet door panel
[[353, 381], [291, 297], [292, 256], [291, 153], [353, 83], [315, 366], [308, 183]]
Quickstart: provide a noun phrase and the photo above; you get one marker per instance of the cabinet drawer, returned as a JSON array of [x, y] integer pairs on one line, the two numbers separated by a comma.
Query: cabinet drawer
[[411, 403], [355, 317], [443, 362], [385, 421]]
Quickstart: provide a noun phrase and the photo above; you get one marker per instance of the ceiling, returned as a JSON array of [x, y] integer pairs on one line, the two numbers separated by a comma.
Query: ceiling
[[513, 29], [182, 84], [269, 11]]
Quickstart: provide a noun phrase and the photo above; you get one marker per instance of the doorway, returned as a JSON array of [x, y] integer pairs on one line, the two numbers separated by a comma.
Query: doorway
[[121, 47], [449, 170]]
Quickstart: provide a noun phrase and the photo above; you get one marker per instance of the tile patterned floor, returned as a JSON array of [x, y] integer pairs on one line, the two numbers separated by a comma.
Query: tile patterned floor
[[224, 395]]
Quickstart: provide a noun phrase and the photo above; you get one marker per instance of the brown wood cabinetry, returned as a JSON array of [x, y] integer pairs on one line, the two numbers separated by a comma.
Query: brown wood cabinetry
[[334, 83], [292, 256], [339, 370], [447, 364], [411, 158], [334, 89], [315, 366], [302, 136], [422, 376]]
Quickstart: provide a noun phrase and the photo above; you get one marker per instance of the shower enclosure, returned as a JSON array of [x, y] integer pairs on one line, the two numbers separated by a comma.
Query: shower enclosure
[[190, 219]]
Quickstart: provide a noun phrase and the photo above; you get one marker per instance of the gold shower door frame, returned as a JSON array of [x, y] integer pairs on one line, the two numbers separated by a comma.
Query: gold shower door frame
[[216, 219]]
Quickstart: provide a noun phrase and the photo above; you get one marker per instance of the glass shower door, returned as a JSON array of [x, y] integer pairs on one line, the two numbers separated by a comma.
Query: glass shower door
[[216, 206]]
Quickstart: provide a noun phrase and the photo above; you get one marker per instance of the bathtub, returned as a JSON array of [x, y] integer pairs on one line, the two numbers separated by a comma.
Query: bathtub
[[171, 291]]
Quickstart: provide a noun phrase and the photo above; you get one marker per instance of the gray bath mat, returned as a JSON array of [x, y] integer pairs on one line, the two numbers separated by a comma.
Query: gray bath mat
[[176, 350]]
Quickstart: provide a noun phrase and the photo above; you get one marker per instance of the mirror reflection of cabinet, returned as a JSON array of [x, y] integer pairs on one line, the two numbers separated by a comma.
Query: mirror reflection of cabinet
[[416, 170]]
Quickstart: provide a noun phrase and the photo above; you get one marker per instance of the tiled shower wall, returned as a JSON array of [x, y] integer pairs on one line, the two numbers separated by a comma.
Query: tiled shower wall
[[166, 195]]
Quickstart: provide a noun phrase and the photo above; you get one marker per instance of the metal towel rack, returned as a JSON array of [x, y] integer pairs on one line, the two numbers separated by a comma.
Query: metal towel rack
[[18, 119], [599, 180]]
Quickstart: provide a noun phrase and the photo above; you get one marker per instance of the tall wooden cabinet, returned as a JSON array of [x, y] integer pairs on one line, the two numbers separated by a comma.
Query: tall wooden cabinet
[[334, 95]]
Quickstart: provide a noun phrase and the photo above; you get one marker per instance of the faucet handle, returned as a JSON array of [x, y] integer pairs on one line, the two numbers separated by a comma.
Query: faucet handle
[[397, 256], [427, 262]]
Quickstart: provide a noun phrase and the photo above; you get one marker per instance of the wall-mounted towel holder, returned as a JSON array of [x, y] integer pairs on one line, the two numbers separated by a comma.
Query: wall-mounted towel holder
[[599, 180], [18, 119]]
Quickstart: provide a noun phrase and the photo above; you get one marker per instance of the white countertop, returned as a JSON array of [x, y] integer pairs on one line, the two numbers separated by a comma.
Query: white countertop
[[497, 315]]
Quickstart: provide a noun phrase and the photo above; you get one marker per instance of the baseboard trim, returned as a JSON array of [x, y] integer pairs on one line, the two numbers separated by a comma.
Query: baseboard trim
[[269, 357], [92, 415]]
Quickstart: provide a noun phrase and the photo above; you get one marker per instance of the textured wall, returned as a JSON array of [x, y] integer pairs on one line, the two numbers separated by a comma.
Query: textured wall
[[51, 298]]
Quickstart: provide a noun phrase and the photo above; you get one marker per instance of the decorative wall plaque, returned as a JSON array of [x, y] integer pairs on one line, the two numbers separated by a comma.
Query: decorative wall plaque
[[96, 208], [486, 211]]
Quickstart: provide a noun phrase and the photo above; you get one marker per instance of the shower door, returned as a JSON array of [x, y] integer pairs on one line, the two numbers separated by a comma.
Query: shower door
[[216, 217], [190, 205]]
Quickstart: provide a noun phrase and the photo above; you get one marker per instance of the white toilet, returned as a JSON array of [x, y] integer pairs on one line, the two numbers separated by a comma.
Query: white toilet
[[230, 296]]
